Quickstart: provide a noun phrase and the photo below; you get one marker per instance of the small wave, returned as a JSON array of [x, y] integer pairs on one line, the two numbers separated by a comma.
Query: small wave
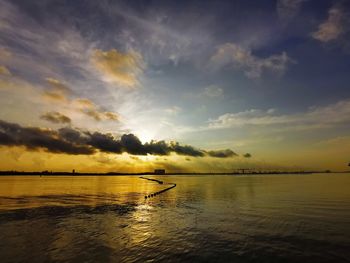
[[62, 211]]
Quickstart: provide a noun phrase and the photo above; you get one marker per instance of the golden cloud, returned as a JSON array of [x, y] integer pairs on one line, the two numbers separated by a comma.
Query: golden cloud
[[4, 71], [90, 109], [58, 90], [85, 103], [101, 115], [52, 95], [118, 67], [5, 54], [55, 117], [111, 116], [58, 86]]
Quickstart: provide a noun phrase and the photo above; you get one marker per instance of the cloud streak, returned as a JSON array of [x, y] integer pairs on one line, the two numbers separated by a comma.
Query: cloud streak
[[325, 116]]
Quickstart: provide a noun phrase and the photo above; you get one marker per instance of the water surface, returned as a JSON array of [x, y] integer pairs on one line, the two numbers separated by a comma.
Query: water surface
[[270, 218]]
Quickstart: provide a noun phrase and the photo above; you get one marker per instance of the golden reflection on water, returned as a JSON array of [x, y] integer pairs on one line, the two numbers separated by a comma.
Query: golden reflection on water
[[213, 218], [92, 190], [34, 191]]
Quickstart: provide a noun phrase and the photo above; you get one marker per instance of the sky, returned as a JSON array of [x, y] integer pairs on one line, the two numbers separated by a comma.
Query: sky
[[200, 86]]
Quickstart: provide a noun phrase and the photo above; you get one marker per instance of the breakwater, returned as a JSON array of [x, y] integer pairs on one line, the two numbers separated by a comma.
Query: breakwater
[[172, 185]]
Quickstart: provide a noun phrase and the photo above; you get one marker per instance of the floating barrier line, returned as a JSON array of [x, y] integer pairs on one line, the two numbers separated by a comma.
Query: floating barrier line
[[150, 179], [159, 182]]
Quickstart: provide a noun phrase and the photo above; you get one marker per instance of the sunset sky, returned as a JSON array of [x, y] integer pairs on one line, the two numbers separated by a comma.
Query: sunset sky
[[205, 86]]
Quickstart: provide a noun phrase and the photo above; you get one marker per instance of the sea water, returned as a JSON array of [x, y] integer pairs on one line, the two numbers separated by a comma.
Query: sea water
[[205, 218]]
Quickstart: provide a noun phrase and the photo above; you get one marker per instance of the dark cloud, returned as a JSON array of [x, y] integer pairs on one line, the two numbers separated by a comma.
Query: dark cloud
[[132, 144], [36, 138], [222, 153], [71, 135], [55, 117], [74, 141], [105, 143], [186, 150], [158, 147], [247, 155]]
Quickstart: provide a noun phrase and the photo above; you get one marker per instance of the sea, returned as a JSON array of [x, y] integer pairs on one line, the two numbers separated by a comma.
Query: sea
[[205, 218]]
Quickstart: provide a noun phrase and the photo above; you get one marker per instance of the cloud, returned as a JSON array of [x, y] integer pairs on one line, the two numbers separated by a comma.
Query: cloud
[[34, 138], [86, 103], [222, 153], [335, 142], [234, 55], [186, 150], [314, 117], [213, 91], [4, 71], [288, 9], [5, 55], [100, 116], [117, 67], [55, 117], [247, 155], [249, 117], [89, 108], [82, 105], [93, 114], [333, 27], [111, 116], [173, 110], [58, 86], [163, 35], [58, 90], [74, 141], [41, 47], [52, 95]]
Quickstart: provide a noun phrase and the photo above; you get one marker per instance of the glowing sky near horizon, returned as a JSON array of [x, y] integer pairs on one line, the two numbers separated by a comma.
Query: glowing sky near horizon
[[269, 78]]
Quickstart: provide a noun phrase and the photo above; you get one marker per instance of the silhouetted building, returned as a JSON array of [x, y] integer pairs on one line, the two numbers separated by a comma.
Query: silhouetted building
[[159, 171]]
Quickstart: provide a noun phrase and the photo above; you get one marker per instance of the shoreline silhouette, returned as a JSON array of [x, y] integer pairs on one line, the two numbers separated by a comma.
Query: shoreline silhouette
[[62, 173]]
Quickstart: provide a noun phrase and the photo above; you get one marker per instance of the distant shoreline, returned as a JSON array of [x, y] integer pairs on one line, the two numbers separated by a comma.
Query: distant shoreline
[[14, 173]]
